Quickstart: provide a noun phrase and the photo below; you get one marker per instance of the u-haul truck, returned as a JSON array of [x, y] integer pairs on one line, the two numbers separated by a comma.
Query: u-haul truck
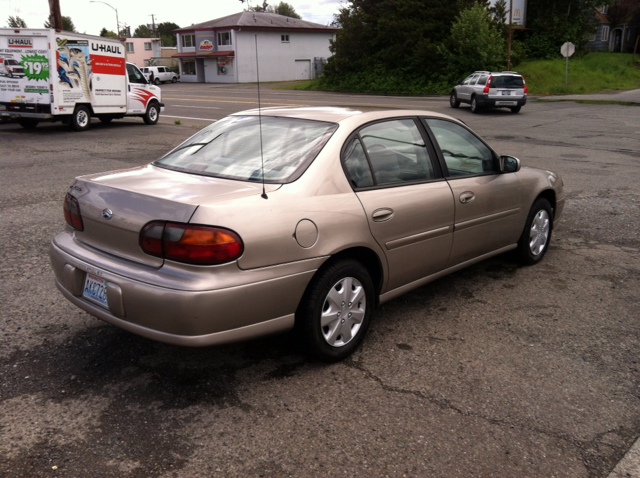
[[53, 75]]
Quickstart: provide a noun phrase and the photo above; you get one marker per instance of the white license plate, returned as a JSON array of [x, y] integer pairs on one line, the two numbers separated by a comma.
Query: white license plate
[[95, 289], [506, 93], [506, 103]]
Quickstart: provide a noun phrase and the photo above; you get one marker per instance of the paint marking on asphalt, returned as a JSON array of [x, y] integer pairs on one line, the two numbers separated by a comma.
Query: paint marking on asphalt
[[187, 117], [333, 101], [205, 107]]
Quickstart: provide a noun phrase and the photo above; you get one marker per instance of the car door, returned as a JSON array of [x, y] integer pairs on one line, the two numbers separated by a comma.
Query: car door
[[409, 206], [464, 90], [487, 202], [138, 94]]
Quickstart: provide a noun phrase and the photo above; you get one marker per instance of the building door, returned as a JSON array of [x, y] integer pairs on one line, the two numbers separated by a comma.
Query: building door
[[303, 69], [617, 40], [200, 70]]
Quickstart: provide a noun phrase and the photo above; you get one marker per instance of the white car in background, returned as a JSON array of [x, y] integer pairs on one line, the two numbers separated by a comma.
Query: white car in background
[[159, 74]]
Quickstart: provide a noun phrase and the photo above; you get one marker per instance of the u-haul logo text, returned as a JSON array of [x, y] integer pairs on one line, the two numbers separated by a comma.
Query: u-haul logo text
[[20, 42]]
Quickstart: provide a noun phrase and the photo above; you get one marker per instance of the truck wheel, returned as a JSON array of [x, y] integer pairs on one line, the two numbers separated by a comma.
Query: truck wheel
[[152, 114], [174, 79], [105, 119], [81, 118], [28, 123]]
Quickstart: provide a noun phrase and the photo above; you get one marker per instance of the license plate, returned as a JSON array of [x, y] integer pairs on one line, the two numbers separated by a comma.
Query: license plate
[[95, 289], [506, 93], [506, 103]]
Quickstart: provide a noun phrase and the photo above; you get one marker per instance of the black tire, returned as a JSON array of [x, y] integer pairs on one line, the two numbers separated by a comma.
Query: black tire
[[516, 109], [156, 81], [174, 79], [81, 118], [474, 105], [10, 74], [105, 119], [28, 123], [153, 114], [331, 342], [539, 223], [453, 100]]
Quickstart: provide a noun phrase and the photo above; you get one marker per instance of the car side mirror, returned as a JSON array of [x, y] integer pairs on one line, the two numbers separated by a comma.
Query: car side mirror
[[509, 164]]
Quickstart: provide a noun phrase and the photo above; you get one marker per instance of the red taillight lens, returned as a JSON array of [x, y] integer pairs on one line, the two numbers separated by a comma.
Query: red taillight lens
[[72, 212], [526, 90], [486, 87], [203, 245]]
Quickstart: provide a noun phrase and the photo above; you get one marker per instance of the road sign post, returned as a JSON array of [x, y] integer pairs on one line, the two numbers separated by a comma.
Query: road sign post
[[567, 50]]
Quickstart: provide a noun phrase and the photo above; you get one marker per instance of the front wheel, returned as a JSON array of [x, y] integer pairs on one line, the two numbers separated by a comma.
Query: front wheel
[[156, 81], [152, 114], [335, 312], [81, 118], [474, 105], [535, 238], [453, 100], [174, 79]]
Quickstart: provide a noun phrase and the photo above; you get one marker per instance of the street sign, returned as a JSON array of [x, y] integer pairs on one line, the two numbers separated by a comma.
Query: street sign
[[567, 49]]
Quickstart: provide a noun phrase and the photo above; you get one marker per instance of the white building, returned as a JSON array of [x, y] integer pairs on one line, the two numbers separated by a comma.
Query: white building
[[224, 50]]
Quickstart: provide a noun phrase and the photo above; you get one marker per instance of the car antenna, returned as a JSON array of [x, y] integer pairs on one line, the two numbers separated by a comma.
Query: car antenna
[[264, 193]]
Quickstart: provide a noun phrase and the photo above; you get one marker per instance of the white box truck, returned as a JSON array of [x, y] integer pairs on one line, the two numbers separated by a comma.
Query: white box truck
[[54, 75]]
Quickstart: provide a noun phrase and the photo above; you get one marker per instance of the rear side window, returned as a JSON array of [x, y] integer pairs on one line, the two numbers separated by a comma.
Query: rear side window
[[482, 80], [507, 81]]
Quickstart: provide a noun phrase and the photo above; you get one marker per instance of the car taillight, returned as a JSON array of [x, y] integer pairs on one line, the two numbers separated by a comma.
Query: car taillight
[[72, 212], [202, 245], [486, 87], [526, 90]]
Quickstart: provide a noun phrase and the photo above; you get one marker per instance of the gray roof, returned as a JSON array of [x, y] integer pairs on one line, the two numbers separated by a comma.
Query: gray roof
[[257, 20]]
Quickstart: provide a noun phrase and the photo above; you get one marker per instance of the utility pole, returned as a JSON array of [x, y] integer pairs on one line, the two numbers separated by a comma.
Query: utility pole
[[55, 17], [153, 23], [510, 33]]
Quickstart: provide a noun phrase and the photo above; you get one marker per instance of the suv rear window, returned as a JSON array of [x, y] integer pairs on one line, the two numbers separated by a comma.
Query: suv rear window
[[507, 81]]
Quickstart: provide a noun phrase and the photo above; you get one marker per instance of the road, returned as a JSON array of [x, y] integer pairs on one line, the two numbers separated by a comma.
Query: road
[[495, 371]]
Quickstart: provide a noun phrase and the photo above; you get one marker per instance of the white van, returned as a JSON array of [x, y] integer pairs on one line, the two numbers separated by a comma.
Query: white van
[[159, 74], [71, 77]]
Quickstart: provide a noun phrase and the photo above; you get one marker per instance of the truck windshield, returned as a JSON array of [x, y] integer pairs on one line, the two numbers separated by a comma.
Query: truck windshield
[[234, 148]]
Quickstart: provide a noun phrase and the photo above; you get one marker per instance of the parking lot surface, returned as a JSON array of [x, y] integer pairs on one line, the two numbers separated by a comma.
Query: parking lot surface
[[495, 371]]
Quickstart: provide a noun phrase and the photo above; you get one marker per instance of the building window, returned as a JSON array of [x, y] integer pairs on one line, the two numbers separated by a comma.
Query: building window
[[603, 8], [188, 67], [605, 33], [188, 41], [147, 45], [130, 48], [284, 38], [224, 38]]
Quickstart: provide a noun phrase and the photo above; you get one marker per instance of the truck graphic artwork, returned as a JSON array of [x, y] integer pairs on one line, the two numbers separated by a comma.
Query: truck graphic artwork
[[74, 66], [10, 67]]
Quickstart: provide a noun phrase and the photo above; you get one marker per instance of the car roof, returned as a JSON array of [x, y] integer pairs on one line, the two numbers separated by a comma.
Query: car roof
[[335, 114]]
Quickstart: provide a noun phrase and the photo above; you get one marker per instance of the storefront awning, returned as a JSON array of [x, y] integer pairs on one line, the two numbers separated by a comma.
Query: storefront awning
[[203, 54]]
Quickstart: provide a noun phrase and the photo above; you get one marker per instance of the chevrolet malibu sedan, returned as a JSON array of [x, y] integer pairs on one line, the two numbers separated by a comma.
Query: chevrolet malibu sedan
[[295, 218]]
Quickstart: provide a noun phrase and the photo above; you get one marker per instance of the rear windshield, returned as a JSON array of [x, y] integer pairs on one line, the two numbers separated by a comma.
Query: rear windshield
[[234, 148], [507, 82]]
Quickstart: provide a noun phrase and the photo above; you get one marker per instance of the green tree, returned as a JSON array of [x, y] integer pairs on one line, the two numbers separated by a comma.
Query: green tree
[[67, 24], [475, 43], [142, 31], [284, 8], [165, 32], [16, 22], [107, 33]]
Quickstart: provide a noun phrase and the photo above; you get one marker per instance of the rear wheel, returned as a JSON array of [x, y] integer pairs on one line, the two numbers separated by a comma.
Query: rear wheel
[[105, 119], [515, 109], [335, 312], [474, 105], [81, 118], [534, 242], [152, 114], [453, 100], [28, 123]]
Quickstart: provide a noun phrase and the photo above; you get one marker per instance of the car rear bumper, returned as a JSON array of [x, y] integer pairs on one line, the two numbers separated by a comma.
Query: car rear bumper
[[485, 102], [184, 317]]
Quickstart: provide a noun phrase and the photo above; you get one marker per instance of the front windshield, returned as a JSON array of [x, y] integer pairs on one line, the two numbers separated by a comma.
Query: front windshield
[[231, 148]]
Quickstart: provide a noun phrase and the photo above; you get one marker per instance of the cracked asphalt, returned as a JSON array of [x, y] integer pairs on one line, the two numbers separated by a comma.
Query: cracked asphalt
[[495, 371]]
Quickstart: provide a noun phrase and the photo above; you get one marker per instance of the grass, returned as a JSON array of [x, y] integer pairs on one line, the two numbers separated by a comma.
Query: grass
[[593, 73]]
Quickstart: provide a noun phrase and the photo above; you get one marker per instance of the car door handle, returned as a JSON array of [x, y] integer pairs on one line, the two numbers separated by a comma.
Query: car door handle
[[467, 197], [382, 214]]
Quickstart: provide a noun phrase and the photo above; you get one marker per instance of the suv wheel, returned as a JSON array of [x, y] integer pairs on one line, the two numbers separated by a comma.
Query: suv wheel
[[516, 109], [474, 105], [453, 100]]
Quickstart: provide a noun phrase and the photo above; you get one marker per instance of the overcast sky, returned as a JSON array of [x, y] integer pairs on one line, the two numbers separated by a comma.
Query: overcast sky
[[91, 17]]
